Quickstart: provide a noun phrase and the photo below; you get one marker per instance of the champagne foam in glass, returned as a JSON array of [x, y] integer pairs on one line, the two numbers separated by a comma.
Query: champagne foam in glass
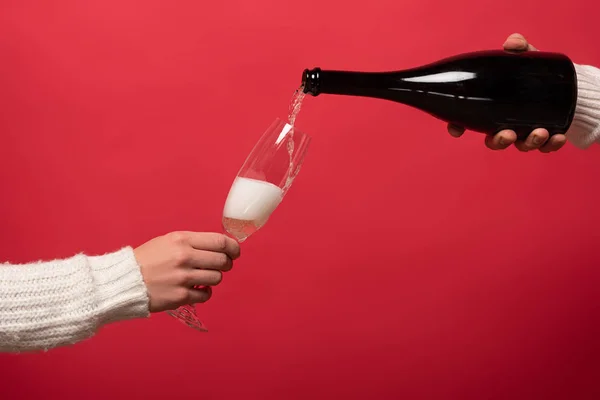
[[249, 205]]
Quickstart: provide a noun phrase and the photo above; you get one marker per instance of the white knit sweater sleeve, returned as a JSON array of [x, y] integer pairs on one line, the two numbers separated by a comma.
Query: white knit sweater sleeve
[[585, 128], [56, 303]]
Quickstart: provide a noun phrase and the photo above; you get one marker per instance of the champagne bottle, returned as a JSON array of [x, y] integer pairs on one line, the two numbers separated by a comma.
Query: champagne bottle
[[483, 91]]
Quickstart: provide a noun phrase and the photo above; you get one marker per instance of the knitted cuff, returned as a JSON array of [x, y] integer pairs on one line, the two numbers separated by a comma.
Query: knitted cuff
[[585, 128], [119, 286]]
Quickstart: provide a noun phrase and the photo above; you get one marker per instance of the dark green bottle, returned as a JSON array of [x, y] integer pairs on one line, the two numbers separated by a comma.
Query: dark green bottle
[[484, 91]]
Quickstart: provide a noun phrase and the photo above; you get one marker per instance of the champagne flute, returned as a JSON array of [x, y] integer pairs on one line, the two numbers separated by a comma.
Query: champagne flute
[[257, 190]]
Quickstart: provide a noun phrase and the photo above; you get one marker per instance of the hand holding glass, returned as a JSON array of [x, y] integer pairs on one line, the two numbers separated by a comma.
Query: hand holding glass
[[257, 190]]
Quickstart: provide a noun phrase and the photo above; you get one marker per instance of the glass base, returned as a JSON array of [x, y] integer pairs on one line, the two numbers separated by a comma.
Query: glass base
[[187, 315]]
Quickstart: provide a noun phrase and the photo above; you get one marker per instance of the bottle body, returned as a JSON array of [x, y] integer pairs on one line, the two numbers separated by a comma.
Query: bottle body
[[485, 91]]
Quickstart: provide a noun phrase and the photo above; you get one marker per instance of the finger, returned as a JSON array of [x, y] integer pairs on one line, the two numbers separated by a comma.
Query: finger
[[517, 42], [199, 295], [214, 242], [455, 131], [536, 139], [212, 260], [501, 140], [554, 143], [203, 277]]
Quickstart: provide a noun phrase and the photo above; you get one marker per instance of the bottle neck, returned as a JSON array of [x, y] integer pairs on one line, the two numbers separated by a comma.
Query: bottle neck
[[317, 81]]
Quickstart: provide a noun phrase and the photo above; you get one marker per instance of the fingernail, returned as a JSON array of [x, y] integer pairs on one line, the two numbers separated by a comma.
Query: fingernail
[[501, 141], [536, 140]]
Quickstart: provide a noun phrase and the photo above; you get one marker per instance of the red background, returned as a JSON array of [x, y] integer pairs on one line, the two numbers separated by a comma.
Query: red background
[[402, 264]]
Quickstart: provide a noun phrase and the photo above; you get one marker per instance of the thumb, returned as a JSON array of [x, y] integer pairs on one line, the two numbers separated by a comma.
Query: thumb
[[517, 43]]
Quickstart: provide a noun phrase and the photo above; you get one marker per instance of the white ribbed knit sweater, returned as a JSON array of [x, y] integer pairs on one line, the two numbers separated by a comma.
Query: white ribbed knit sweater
[[49, 304], [56, 303], [585, 129]]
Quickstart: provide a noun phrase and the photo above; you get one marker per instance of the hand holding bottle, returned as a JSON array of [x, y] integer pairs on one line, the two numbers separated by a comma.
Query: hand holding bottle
[[539, 139]]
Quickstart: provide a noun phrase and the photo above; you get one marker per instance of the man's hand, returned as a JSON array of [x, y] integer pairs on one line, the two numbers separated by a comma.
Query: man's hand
[[179, 268], [537, 139]]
